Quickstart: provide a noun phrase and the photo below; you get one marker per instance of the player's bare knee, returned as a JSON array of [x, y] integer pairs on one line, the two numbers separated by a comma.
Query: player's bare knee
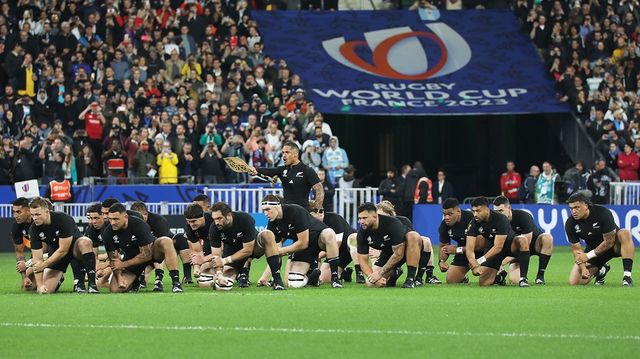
[[426, 244]]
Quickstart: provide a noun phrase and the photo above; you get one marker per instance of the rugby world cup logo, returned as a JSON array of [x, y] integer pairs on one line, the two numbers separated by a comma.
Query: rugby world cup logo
[[398, 53]]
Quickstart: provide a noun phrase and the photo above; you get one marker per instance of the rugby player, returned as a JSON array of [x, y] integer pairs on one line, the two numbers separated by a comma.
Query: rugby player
[[594, 224], [131, 237], [492, 231], [386, 234], [20, 236], [309, 235], [453, 227], [64, 242], [540, 244]]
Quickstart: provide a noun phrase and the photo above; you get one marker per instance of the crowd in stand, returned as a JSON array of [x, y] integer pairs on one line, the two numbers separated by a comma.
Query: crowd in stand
[[591, 49], [148, 91]]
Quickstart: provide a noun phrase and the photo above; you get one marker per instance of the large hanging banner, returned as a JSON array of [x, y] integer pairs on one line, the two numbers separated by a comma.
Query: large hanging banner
[[425, 62]]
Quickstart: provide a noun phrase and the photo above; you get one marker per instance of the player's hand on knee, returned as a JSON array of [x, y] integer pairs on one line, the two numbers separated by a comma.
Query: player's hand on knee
[[27, 284], [21, 266], [584, 272], [444, 266]]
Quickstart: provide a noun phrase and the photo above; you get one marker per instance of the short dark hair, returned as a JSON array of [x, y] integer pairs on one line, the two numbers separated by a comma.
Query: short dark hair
[[291, 145], [450, 203], [221, 207], [367, 207], [39, 202], [139, 206], [21, 202], [579, 197], [202, 197], [193, 211], [117, 208], [108, 202], [500, 200], [480, 202], [94, 208]]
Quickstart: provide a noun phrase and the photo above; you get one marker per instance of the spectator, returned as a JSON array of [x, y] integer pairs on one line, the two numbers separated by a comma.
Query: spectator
[[187, 163], [334, 160], [388, 188], [52, 157], [120, 66], [346, 182], [573, 178], [598, 183], [167, 162], [510, 182], [628, 164], [310, 155], [144, 163], [86, 165], [115, 163], [69, 165], [528, 190], [612, 156], [545, 185], [443, 188], [234, 147], [212, 171]]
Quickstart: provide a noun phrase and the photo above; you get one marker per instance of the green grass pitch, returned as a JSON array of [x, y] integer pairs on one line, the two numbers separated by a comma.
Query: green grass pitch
[[445, 321]]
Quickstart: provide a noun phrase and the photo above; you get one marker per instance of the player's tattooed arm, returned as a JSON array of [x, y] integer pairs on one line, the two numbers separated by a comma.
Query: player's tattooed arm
[[609, 240], [318, 189], [396, 257], [144, 256]]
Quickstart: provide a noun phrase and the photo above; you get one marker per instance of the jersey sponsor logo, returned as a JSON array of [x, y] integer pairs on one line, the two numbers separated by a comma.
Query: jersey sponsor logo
[[291, 181], [284, 173], [223, 236], [239, 234], [595, 225], [57, 233], [369, 240], [299, 174], [42, 235], [133, 238], [290, 226], [481, 230], [115, 239], [450, 232], [385, 237], [577, 228]]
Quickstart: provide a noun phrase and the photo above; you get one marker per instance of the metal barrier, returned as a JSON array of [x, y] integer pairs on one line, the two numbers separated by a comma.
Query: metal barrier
[[345, 200], [624, 193]]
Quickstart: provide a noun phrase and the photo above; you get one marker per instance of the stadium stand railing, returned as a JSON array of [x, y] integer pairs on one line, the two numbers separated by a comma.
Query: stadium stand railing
[[624, 193]]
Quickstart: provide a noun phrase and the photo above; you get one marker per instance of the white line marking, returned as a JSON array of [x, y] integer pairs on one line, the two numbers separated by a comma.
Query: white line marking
[[323, 330]]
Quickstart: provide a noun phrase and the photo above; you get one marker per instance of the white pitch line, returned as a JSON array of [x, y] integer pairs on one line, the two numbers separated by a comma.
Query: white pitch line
[[324, 330]]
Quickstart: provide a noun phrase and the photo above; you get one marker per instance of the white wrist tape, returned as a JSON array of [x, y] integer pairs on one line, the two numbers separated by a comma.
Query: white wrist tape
[[481, 260], [592, 254], [459, 250]]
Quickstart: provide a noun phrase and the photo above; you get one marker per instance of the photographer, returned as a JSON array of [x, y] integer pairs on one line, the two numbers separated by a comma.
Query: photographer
[[210, 135], [167, 162], [211, 169], [233, 147], [51, 155]]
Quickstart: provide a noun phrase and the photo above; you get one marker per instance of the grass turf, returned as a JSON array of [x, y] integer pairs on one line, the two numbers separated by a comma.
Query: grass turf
[[555, 320]]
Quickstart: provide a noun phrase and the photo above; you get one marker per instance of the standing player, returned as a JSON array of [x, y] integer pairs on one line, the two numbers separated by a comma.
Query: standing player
[[132, 237], [64, 243], [540, 244], [343, 231], [236, 230], [386, 234], [418, 250], [296, 177], [20, 236], [309, 235], [492, 230], [594, 224]]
